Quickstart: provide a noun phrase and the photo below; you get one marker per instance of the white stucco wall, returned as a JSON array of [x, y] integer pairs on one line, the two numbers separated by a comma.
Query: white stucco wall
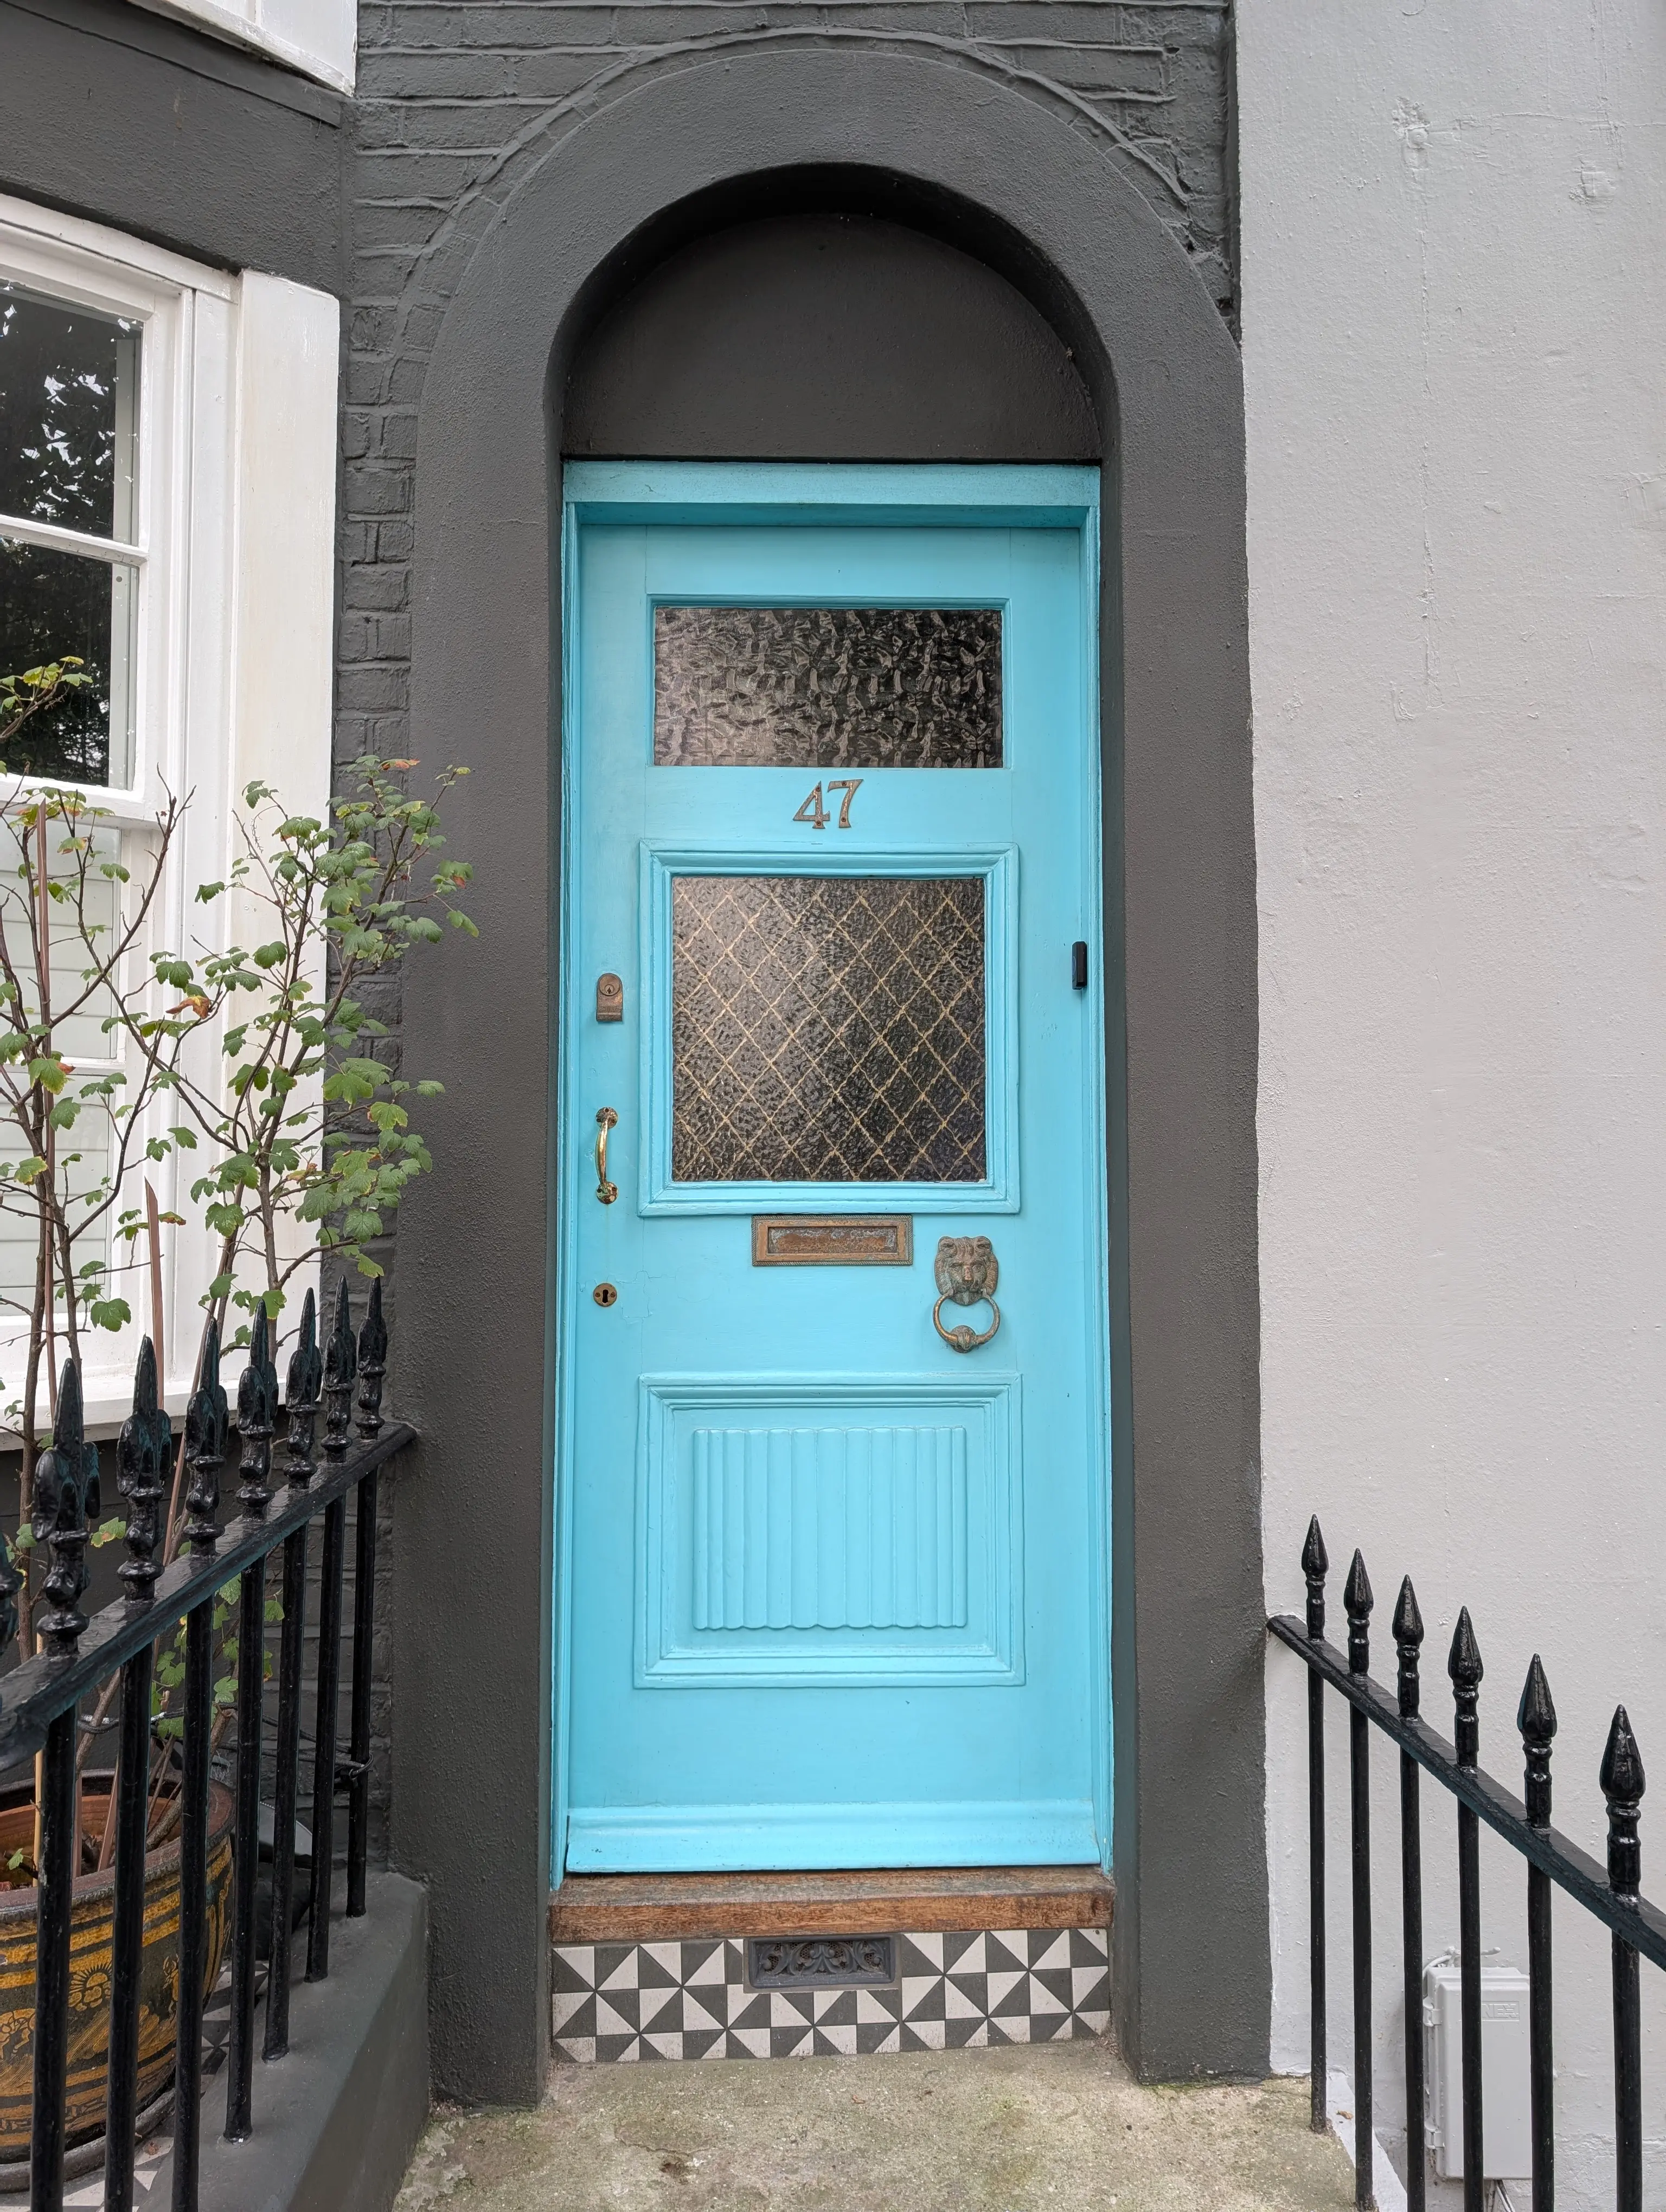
[[1454, 298]]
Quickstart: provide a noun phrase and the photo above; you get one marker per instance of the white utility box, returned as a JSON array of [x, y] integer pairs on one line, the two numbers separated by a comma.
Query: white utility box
[[1506, 2099]]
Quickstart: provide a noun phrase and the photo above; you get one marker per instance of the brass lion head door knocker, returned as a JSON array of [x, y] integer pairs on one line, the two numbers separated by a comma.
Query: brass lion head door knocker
[[967, 1272]]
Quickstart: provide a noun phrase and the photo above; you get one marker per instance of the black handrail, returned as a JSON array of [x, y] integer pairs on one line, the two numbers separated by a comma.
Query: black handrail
[[1610, 1893], [38, 1702]]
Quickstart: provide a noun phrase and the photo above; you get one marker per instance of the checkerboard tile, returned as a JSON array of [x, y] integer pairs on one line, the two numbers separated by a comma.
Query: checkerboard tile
[[641, 2002]]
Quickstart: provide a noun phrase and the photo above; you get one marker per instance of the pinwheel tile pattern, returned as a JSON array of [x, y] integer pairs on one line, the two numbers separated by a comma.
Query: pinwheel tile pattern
[[645, 2002]]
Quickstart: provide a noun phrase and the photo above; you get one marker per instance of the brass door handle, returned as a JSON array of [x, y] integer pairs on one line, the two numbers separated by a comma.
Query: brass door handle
[[606, 1119]]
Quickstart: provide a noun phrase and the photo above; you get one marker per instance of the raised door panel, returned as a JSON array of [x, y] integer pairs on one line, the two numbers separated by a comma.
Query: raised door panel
[[814, 1530]]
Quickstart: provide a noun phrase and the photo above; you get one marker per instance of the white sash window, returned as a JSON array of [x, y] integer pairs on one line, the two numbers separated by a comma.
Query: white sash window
[[167, 472]]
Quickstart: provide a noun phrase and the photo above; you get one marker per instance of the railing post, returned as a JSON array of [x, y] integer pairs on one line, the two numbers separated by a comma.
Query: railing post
[[339, 1368], [1464, 1666], [1356, 1602], [205, 1448], [304, 1382], [257, 1419], [65, 1491], [1535, 1717], [1408, 1641], [143, 1453], [372, 1365], [54, 1886], [1622, 1782], [1316, 1565]]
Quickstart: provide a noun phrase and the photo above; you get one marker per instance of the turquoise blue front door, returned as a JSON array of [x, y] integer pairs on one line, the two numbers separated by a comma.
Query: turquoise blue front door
[[833, 1363]]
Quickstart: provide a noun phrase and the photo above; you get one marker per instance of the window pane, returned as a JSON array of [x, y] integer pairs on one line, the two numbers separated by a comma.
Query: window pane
[[86, 1152], [827, 1029], [827, 687], [85, 1156], [69, 415], [79, 1010], [53, 603]]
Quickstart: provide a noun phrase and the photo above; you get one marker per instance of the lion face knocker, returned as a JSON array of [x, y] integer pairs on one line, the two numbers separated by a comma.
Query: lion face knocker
[[967, 1272]]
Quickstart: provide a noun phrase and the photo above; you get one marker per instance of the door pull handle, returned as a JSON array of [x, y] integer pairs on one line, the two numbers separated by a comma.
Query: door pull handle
[[606, 1119], [967, 1272]]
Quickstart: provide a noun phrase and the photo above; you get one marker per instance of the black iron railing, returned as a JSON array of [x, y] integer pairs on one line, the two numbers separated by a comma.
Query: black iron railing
[[1638, 1929], [41, 1699]]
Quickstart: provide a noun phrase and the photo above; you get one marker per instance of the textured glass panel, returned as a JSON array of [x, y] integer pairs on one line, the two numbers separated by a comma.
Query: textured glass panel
[[827, 1029], [827, 687]]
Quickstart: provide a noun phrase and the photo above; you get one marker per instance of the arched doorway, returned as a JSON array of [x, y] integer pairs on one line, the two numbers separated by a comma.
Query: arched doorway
[[836, 1596], [913, 139]]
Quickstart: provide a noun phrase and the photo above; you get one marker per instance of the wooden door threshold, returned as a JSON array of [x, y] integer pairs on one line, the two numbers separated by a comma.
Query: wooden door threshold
[[641, 1908]]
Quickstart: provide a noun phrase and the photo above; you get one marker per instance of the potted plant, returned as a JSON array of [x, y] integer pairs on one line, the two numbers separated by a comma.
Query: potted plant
[[260, 1061]]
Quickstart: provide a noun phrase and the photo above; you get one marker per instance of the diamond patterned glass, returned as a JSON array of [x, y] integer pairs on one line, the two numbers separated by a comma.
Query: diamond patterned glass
[[827, 1029], [827, 687]]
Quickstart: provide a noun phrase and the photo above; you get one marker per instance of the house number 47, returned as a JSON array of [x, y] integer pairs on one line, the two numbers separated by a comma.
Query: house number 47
[[816, 815]]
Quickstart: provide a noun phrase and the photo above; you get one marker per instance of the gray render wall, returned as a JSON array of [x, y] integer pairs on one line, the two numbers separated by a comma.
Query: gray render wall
[[457, 98]]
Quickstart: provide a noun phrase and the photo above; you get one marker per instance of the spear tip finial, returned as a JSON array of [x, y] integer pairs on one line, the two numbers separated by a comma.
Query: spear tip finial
[[1463, 1661], [1535, 1716], [1622, 1777], [144, 1379], [1315, 1560], [1408, 1620], [1357, 1599]]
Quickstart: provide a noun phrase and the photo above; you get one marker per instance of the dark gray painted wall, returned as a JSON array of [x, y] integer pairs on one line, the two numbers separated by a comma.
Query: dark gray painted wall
[[458, 107], [150, 126], [478, 339], [831, 338]]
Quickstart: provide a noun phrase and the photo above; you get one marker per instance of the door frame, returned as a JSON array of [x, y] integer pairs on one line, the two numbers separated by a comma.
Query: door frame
[[986, 496]]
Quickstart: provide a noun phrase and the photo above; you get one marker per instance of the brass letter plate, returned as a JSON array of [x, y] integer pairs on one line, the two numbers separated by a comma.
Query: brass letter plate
[[832, 1240]]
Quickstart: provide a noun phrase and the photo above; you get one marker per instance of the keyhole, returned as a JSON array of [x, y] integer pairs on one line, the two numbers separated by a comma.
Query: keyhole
[[605, 1294]]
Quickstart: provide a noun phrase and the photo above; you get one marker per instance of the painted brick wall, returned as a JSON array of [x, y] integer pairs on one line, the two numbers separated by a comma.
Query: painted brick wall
[[457, 98], [457, 101]]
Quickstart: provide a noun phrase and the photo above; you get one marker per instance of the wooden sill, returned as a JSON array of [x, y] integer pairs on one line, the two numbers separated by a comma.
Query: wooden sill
[[604, 1908]]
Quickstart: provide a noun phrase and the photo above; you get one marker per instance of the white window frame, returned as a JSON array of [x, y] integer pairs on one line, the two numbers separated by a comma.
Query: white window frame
[[235, 547], [320, 38], [180, 321]]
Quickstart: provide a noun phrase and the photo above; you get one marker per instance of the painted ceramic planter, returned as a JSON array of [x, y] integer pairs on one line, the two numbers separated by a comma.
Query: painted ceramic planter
[[90, 1933]]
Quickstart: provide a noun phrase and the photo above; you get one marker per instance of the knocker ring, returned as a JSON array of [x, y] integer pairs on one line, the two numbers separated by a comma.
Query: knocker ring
[[967, 1272], [963, 1337]]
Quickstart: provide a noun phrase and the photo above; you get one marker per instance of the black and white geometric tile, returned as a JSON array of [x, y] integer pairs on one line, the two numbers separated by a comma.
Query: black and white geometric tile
[[635, 2002]]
